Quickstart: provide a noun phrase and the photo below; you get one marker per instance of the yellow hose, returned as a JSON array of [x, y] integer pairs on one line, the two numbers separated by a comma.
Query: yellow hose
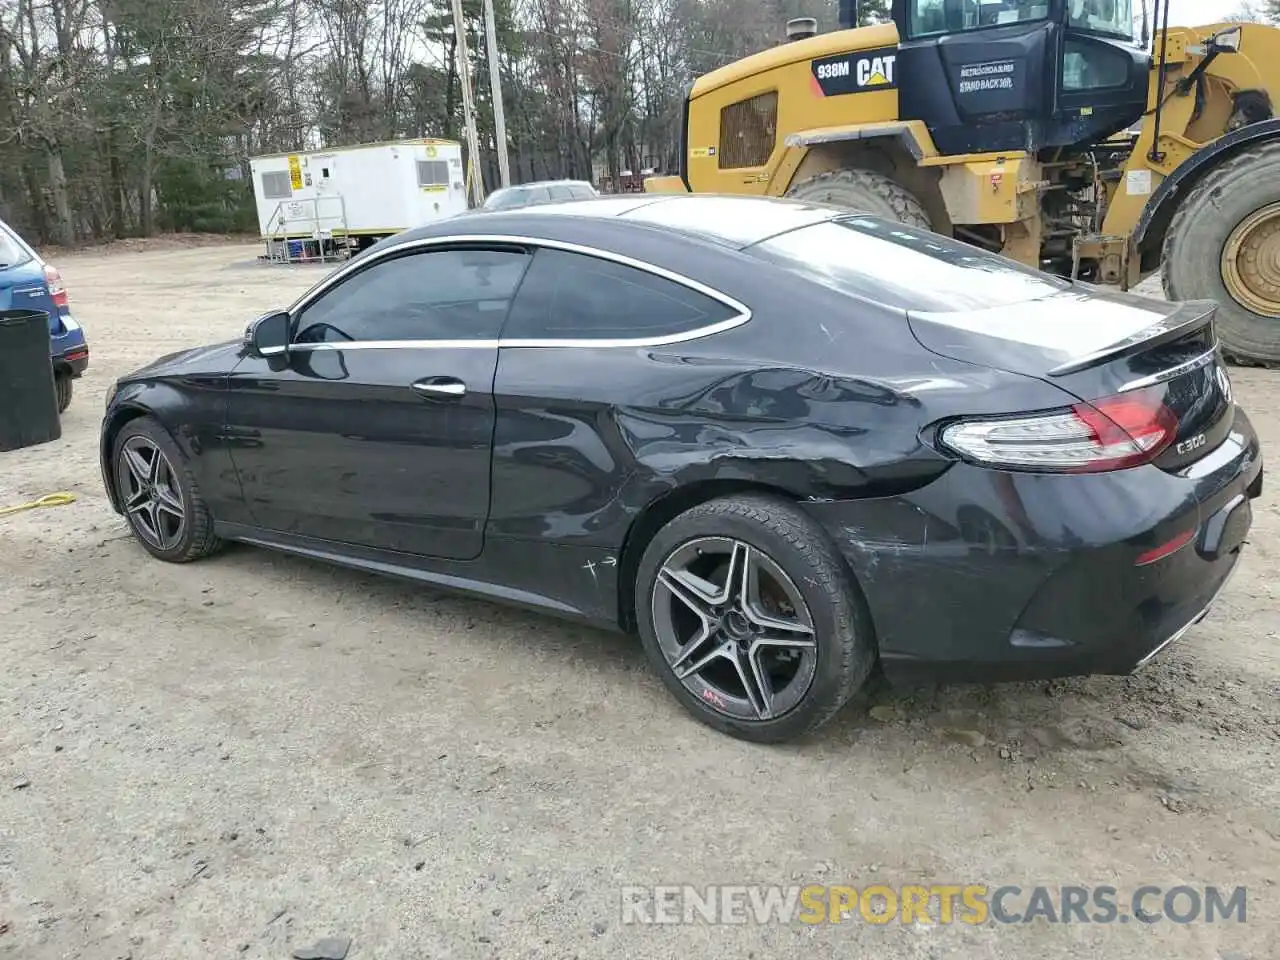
[[48, 500]]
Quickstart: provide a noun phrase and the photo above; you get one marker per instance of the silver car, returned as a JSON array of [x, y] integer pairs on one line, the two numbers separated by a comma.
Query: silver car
[[542, 191]]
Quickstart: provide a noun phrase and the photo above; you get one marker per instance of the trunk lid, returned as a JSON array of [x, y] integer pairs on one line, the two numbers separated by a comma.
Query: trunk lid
[[1103, 346]]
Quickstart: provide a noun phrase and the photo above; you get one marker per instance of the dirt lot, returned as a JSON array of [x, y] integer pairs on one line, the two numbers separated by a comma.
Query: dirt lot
[[238, 757]]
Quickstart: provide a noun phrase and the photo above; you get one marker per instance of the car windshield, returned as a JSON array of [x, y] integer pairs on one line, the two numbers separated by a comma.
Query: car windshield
[[1112, 17], [904, 267], [12, 251]]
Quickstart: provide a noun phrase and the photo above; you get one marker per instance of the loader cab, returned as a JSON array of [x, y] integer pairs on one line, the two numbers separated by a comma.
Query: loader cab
[[991, 75]]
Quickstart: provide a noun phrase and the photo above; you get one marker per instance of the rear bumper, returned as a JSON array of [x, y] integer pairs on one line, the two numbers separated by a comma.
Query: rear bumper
[[69, 348], [986, 575]]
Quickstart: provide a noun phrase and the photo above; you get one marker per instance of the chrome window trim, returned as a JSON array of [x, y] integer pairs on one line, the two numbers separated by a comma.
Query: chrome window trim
[[394, 345], [742, 311], [1176, 371]]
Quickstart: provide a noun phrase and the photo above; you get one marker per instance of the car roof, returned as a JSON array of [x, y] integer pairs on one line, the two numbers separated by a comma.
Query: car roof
[[732, 221], [538, 183]]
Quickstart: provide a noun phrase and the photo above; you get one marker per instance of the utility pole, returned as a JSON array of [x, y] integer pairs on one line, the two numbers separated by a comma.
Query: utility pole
[[495, 86], [468, 104]]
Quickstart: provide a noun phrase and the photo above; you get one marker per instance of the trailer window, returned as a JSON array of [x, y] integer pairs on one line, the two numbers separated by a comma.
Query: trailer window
[[275, 185], [433, 173]]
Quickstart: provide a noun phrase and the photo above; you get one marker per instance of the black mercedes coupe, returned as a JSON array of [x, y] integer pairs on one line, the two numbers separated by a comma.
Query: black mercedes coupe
[[780, 442]]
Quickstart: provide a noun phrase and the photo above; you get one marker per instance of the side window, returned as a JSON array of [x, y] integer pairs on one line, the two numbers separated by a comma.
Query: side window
[[748, 131], [582, 192], [560, 192], [572, 296], [433, 295], [1093, 66]]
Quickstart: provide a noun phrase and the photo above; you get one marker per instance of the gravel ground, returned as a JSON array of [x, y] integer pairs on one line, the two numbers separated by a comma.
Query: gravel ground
[[239, 757]]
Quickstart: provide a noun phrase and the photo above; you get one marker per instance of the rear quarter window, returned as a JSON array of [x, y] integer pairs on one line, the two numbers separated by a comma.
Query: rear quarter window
[[12, 251], [572, 296], [904, 267]]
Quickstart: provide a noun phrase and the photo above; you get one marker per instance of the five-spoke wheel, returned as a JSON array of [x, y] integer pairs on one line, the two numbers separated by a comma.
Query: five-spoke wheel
[[160, 498], [734, 628], [151, 496], [750, 615]]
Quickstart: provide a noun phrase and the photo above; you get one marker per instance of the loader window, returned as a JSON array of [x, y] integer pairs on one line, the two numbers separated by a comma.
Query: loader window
[[275, 185], [1093, 65], [930, 17], [1111, 17], [748, 131]]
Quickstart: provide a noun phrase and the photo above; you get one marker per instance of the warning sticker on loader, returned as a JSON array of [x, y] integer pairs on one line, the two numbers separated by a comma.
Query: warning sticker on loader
[[859, 72], [295, 173]]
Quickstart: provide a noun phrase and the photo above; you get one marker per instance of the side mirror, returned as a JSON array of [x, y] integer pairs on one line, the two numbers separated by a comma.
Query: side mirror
[[268, 336], [1226, 41]]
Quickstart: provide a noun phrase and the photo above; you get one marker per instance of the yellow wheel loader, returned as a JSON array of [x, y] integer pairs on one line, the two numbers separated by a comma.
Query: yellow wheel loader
[[1040, 129]]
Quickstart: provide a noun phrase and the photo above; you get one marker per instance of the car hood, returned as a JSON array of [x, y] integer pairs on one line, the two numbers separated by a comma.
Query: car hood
[[213, 358]]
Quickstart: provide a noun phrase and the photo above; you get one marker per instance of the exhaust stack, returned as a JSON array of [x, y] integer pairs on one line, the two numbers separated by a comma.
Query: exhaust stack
[[801, 28], [848, 14]]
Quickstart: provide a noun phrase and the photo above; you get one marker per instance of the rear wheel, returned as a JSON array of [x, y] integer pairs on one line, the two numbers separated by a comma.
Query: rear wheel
[[750, 617], [62, 384], [1224, 245], [863, 191]]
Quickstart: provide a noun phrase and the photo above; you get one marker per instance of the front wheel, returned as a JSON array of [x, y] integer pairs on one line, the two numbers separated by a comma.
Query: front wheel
[[751, 618], [1224, 245], [160, 497]]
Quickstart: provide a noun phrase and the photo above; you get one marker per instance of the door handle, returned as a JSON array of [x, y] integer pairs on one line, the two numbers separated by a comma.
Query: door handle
[[440, 387]]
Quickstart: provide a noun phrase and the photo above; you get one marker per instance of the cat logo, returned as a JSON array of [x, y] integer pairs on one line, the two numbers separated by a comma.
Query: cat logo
[[876, 71], [861, 72]]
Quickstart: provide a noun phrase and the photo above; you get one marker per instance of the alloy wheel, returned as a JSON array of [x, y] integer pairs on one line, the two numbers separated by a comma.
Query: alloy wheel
[[152, 499], [734, 628]]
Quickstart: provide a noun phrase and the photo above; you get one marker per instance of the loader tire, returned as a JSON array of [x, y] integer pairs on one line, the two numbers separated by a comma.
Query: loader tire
[[863, 191], [1224, 244]]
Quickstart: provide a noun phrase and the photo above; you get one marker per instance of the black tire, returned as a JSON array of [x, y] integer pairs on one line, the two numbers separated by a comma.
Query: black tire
[[1197, 239], [62, 384], [863, 191], [194, 538], [845, 650]]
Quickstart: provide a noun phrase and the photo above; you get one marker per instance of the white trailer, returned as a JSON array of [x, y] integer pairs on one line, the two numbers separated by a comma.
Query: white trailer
[[313, 203]]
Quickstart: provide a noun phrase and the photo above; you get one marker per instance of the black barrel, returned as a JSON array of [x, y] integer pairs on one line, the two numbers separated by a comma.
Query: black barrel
[[28, 399]]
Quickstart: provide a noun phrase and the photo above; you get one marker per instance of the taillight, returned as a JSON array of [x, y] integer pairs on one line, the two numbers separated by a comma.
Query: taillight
[[1110, 434], [57, 287]]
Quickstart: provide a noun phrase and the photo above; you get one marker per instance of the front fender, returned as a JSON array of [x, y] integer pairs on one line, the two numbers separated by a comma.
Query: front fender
[[192, 412], [1158, 213]]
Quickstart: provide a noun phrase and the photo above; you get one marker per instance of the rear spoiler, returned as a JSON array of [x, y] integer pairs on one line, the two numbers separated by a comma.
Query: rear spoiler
[[1186, 318]]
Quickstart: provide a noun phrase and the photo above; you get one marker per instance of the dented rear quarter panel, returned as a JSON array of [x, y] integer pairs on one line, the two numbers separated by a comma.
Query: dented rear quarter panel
[[819, 398]]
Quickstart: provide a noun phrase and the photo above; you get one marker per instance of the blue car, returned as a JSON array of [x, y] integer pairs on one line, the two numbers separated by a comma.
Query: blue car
[[28, 283]]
